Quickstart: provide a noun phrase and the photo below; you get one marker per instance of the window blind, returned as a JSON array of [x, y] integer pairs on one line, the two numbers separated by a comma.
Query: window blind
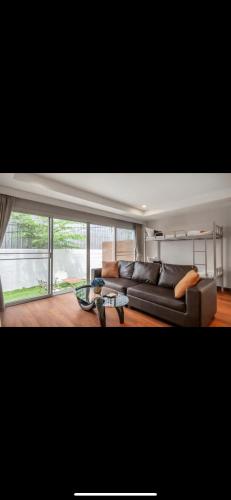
[[36, 208]]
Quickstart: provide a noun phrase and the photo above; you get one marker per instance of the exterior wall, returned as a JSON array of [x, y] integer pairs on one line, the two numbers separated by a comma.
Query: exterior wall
[[181, 252], [22, 273], [125, 250], [68, 263], [26, 273], [107, 252]]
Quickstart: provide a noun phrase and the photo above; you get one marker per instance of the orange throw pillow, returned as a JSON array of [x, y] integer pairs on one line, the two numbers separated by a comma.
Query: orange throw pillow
[[110, 270], [188, 281]]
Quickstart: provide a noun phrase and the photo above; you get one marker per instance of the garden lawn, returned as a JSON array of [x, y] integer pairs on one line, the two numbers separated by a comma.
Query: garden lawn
[[36, 291]]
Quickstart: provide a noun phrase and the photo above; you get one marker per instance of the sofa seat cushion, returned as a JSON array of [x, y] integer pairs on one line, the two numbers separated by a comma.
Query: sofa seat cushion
[[158, 295], [119, 284]]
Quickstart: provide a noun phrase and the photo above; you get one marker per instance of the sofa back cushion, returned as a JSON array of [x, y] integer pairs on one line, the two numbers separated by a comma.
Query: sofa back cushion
[[171, 274], [110, 270], [126, 269], [146, 272]]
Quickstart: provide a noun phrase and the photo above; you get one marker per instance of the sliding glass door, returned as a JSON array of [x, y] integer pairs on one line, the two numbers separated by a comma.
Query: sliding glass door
[[69, 255], [41, 256], [24, 258]]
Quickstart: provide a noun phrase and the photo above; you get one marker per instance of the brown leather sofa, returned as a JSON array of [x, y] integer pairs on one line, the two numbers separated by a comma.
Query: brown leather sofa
[[150, 288]]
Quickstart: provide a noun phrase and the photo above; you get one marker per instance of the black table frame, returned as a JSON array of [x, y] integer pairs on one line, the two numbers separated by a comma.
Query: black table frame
[[98, 303]]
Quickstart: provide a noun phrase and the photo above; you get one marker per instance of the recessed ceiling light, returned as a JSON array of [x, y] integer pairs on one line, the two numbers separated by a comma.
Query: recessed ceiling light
[[143, 206]]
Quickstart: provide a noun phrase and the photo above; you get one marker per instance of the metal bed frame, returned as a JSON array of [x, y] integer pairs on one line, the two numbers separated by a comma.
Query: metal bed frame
[[216, 234]]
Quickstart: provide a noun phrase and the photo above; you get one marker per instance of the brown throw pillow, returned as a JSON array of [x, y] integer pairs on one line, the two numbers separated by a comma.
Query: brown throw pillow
[[188, 281], [110, 270]]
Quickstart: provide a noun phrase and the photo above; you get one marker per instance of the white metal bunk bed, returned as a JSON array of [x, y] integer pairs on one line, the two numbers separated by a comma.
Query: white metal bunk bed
[[215, 234]]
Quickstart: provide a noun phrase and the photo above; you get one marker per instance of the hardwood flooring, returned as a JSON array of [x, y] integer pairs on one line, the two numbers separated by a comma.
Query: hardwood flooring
[[64, 311], [223, 316]]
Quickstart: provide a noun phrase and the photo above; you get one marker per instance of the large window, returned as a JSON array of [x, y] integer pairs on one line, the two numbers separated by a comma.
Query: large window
[[24, 258], [41, 256], [125, 244]]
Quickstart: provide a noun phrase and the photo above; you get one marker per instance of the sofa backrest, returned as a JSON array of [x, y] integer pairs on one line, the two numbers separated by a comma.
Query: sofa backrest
[[155, 273], [146, 272], [126, 269], [171, 274]]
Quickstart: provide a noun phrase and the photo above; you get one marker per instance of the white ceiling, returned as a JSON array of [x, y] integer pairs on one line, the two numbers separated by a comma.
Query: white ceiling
[[123, 193]]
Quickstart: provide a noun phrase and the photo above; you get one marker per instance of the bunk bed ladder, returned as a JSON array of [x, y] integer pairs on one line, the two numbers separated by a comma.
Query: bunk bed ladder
[[202, 252]]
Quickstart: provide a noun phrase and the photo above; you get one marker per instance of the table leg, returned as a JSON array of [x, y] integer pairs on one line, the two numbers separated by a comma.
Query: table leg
[[101, 313], [120, 311]]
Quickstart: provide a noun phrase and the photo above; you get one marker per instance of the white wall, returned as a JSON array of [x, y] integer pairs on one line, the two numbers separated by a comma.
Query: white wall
[[181, 252], [69, 263], [21, 273]]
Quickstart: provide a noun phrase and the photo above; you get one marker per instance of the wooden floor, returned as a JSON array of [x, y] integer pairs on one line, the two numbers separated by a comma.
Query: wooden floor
[[64, 311]]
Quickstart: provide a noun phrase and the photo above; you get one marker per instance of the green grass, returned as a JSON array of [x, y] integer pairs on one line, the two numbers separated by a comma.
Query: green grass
[[36, 291]]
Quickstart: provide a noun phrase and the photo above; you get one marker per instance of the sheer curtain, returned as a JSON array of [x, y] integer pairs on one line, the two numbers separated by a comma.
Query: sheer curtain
[[6, 206]]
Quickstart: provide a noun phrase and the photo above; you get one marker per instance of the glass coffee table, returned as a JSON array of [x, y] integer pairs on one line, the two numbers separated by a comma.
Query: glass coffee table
[[89, 300]]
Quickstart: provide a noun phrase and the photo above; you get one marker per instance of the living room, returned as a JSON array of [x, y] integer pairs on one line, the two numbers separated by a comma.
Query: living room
[[115, 250]]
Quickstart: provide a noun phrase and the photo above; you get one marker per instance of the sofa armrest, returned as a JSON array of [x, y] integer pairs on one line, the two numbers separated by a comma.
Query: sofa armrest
[[201, 301], [96, 273]]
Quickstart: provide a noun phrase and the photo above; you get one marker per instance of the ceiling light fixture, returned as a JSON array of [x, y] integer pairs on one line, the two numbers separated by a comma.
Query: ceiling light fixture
[[143, 206]]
